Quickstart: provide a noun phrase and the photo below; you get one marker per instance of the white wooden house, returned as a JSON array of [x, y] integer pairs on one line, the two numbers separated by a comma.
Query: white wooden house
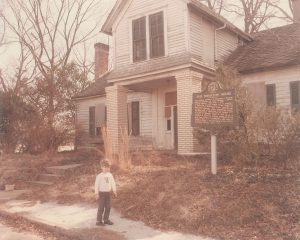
[[162, 52]]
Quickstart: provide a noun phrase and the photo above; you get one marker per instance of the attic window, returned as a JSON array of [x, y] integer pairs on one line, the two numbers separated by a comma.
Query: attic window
[[139, 39], [156, 29]]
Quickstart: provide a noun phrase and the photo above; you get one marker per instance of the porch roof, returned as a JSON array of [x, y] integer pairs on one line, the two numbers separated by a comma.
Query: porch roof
[[135, 70], [150, 66]]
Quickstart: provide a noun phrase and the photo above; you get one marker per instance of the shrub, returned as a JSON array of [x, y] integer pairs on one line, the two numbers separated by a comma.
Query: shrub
[[263, 133]]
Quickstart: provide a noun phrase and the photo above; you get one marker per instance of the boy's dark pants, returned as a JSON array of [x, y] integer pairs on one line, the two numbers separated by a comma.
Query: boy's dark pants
[[104, 206]]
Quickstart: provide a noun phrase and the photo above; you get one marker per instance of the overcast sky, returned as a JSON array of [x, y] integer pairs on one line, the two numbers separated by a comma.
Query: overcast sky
[[9, 54]]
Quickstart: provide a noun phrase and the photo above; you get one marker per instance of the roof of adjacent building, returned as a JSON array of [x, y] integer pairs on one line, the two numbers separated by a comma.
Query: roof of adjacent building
[[95, 89], [270, 49]]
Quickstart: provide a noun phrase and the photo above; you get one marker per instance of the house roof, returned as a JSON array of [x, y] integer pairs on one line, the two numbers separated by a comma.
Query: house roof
[[95, 89], [195, 4], [273, 48]]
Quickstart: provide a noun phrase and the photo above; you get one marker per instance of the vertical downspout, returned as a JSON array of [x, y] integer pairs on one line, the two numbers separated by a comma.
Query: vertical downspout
[[215, 41]]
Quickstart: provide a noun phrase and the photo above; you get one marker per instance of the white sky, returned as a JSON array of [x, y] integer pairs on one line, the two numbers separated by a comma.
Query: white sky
[[9, 54]]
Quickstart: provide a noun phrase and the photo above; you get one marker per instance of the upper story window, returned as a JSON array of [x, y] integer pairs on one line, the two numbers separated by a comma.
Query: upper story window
[[295, 95], [148, 39], [156, 29], [271, 94], [139, 39]]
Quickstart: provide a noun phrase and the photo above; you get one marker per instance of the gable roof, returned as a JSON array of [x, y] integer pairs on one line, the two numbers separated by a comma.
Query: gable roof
[[273, 48], [194, 4]]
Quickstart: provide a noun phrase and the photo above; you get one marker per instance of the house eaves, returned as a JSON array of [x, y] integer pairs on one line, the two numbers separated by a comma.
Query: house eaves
[[192, 4], [204, 10], [114, 13]]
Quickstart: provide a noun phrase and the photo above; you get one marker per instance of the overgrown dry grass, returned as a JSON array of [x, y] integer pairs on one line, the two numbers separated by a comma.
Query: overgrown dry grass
[[170, 192]]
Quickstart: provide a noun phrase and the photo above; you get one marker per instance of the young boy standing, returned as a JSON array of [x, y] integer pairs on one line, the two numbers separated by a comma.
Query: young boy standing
[[104, 184]]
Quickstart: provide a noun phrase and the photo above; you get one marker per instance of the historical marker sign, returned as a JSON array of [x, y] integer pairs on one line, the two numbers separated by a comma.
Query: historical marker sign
[[214, 107]]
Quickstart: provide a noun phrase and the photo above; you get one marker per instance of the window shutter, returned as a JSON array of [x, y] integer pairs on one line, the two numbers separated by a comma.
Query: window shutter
[[100, 115], [129, 118], [135, 118], [271, 94], [139, 39], [157, 42], [295, 95], [92, 121]]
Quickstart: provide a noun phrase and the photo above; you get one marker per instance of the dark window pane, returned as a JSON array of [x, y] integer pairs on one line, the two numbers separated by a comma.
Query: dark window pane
[[295, 96], [271, 94], [135, 111], [139, 39], [92, 121], [169, 125], [156, 26]]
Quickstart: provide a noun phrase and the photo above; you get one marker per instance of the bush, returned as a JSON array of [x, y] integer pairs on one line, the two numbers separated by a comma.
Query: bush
[[263, 133]]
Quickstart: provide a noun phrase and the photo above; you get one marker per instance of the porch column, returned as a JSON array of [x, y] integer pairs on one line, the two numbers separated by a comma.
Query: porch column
[[188, 82], [116, 102]]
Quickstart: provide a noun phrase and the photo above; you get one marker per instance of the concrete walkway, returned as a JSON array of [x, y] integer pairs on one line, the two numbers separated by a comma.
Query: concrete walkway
[[7, 233], [10, 195], [83, 216]]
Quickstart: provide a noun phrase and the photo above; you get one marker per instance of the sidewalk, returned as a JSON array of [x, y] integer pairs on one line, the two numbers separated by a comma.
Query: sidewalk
[[83, 217], [7, 233]]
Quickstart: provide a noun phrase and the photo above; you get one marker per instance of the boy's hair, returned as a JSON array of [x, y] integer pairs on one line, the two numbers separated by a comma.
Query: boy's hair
[[105, 163]]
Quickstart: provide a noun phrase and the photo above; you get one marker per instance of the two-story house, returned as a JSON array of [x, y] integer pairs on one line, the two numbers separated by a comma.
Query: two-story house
[[162, 53]]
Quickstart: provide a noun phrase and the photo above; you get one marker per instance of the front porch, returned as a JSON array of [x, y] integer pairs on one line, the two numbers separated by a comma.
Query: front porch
[[154, 109]]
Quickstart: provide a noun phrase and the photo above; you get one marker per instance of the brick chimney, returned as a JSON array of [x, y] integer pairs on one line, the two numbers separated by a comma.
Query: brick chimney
[[101, 59], [296, 10]]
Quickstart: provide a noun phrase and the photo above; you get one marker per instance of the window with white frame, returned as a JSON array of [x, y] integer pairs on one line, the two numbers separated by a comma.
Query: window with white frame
[[155, 31], [139, 39]]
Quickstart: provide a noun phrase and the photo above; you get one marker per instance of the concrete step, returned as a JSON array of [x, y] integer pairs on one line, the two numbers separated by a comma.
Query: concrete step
[[49, 177], [60, 170], [41, 183]]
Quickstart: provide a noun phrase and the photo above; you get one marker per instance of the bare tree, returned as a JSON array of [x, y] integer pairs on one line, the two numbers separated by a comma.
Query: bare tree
[[50, 31], [287, 14], [255, 13], [216, 5]]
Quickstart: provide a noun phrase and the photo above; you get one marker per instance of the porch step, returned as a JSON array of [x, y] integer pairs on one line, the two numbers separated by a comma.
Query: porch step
[[41, 183], [60, 170], [49, 177]]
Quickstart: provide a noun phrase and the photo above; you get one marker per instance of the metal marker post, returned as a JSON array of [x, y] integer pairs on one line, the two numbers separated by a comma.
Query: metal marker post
[[214, 154]]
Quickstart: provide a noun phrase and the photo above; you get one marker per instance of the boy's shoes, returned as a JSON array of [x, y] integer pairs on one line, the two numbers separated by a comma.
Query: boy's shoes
[[100, 224], [108, 222]]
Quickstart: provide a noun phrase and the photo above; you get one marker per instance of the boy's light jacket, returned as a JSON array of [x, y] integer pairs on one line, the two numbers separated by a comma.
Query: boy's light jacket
[[105, 182]]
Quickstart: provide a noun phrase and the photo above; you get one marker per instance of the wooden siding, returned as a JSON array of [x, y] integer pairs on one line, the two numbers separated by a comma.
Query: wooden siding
[[226, 44], [82, 111], [174, 27], [202, 40], [281, 78], [145, 100]]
